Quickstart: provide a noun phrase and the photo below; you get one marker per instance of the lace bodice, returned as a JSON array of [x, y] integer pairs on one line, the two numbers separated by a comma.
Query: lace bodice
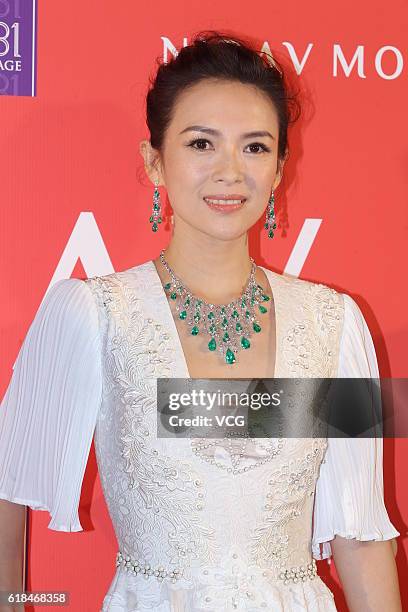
[[189, 511]]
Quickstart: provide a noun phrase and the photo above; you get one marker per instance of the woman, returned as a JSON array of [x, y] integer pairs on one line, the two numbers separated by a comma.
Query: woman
[[222, 525]]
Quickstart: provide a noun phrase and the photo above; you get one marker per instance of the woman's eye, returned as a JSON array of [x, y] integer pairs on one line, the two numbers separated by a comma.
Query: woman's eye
[[259, 144], [198, 140], [201, 142]]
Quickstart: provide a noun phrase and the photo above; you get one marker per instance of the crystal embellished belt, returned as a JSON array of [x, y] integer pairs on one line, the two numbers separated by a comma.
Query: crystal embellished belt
[[145, 569], [301, 573]]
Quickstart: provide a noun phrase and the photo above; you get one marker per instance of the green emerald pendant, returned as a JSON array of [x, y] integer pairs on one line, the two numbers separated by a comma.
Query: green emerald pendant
[[245, 343], [229, 356], [212, 345]]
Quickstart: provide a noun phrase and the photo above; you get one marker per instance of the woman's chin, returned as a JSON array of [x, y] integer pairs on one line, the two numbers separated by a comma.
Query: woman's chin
[[224, 233]]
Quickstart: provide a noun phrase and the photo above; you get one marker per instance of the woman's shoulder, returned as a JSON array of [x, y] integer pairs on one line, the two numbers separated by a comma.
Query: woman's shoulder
[[139, 270], [298, 286], [66, 300], [126, 286]]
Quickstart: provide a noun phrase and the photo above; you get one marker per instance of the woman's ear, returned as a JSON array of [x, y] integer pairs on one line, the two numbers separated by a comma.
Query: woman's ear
[[152, 162], [279, 173]]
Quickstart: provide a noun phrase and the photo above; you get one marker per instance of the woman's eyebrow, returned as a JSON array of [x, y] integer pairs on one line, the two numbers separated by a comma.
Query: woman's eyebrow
[[213, 132], [258, 134]]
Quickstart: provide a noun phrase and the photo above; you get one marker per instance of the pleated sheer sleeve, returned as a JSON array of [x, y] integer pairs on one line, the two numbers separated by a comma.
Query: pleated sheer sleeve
[[48, 413], [349, 499]]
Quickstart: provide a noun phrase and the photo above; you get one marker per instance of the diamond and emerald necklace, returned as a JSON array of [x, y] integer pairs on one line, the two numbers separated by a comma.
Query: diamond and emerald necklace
[[228, 326]]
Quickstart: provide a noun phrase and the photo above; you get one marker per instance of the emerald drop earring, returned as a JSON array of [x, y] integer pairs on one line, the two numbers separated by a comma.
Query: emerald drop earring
[[270, 224], [155, 217]]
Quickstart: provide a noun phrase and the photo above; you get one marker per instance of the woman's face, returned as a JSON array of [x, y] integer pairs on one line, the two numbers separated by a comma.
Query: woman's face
[[208, 152]]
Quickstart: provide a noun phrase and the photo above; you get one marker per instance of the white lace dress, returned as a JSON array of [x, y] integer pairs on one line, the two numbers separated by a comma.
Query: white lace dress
[[194, 534]]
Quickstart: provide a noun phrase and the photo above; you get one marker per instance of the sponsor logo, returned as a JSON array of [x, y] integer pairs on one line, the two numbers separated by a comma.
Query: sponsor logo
[[386, 62], [18, 47]]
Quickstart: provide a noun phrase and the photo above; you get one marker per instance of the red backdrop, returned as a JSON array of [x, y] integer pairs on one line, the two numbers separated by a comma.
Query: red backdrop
[[75, 202]]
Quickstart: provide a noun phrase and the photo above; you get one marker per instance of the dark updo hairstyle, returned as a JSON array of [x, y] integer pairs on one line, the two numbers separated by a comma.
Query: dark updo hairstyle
[[212, 54]]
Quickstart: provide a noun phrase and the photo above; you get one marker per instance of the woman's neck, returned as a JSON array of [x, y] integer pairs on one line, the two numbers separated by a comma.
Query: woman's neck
[[215, 271]]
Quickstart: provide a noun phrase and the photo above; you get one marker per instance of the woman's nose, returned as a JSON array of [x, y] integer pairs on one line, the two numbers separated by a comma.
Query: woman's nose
[[230, 167]]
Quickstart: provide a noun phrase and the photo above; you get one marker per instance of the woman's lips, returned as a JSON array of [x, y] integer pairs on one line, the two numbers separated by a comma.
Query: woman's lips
[[224, 208]]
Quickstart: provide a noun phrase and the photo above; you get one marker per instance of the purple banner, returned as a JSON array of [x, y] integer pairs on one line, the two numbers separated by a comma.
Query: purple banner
[[18, 44]]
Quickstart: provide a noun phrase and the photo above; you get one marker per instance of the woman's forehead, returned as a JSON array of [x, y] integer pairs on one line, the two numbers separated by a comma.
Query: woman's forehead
[[217, 104]]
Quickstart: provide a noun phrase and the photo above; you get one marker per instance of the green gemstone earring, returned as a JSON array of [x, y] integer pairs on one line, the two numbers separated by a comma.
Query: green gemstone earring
[[155, 217], [270, 224]]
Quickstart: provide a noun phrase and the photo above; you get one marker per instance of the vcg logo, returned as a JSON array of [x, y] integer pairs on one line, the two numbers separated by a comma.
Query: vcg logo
[[18, 47]]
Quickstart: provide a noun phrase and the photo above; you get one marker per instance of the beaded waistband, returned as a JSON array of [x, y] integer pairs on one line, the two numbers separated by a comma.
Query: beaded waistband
[[138, 567], [300, 573]]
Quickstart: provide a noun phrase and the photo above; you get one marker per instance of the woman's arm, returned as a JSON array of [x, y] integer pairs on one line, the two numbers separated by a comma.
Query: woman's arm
[[12, 526], [368, 574], [49, 411]]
